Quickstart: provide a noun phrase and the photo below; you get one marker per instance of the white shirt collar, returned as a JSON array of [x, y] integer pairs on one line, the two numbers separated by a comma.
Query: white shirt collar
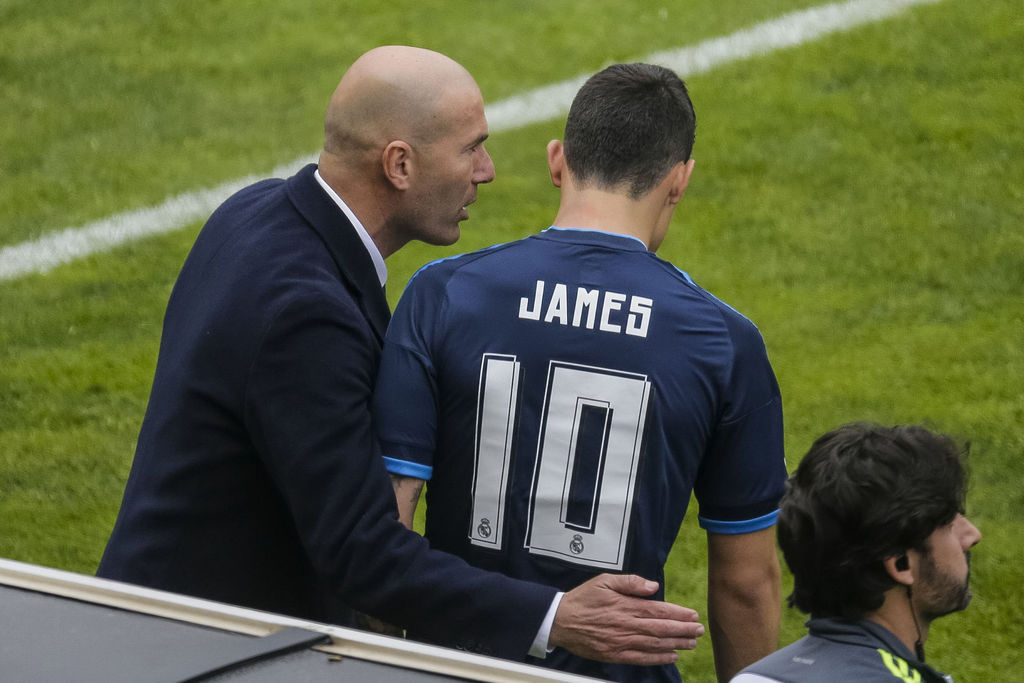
[[371, 248]]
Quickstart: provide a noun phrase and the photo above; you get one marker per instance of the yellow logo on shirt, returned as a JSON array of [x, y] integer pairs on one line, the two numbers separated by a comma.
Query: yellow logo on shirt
[[899, 668]]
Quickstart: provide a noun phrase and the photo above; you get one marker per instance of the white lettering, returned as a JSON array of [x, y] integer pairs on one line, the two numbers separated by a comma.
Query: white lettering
[[584, 307], [532, 314], [586, 299], [639, 310], [612, 302], [558, 307]]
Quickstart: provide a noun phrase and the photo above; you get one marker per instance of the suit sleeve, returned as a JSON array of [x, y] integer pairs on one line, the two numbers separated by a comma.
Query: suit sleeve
[[308, 411]]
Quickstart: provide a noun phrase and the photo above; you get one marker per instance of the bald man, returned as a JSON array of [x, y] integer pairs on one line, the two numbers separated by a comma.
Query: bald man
[[256, 479]]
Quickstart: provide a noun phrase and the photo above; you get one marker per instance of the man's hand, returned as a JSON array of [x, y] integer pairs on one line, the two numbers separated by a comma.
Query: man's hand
[[603, 620]]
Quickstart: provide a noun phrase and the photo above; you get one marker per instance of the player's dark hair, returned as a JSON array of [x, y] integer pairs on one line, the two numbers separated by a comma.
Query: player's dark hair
[[629, 125], [864, 493]]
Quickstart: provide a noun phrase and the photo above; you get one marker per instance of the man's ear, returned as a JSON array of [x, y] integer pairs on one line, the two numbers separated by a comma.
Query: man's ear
[[556, 161], [680, 178], [900, 568], [397, 164]]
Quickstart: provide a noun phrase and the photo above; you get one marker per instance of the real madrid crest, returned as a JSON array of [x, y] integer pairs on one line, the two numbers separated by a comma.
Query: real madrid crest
[[576, 544], [483, 529]]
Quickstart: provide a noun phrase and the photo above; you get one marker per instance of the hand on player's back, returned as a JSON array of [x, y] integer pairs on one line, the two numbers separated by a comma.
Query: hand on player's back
[[608, 619]]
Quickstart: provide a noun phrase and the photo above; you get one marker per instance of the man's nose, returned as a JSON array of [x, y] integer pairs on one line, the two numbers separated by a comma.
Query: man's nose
[[970, 533], [484, 167]]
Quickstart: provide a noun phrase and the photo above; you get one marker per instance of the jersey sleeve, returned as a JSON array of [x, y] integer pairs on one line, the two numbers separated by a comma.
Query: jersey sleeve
[[742, 475], [405, 400]]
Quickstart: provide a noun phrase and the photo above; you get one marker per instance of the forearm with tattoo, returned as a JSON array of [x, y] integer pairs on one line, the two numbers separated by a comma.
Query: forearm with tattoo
[[407, 495]]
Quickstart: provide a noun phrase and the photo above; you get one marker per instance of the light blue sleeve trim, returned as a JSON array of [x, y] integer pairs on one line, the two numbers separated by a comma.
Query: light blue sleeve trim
[[408, 469], [741, 527], [687, 277]]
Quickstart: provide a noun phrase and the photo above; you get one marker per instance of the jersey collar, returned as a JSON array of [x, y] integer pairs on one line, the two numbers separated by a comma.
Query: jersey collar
[[597, 237]]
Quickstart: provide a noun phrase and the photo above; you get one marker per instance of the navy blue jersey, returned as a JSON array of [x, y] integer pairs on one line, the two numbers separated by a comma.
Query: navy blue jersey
[[564, 394]]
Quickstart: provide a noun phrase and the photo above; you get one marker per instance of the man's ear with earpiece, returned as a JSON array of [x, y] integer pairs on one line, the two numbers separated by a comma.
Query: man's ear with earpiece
[[898, 567]]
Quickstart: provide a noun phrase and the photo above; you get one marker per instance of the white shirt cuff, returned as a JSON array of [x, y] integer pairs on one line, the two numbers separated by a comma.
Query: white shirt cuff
[[540, 643]]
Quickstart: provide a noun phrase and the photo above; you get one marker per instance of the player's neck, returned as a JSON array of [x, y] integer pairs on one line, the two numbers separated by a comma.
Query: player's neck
[[594, 209]]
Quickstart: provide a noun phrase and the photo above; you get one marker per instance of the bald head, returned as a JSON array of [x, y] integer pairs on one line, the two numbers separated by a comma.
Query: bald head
[[403, 145], [393, 93]]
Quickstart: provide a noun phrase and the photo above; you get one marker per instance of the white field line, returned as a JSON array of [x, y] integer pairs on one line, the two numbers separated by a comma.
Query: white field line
[[542, 104]]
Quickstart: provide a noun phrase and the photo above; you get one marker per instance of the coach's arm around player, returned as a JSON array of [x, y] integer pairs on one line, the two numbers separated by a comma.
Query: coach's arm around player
[[257, 480], [605, 618]]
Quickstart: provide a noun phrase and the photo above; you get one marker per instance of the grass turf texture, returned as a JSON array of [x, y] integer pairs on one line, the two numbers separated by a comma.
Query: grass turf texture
[[858, 197]]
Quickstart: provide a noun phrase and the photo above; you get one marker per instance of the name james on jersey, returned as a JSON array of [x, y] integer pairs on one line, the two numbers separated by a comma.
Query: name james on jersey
[[585, 307]]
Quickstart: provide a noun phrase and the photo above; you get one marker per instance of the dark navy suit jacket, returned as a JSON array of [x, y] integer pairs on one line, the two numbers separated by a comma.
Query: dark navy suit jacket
[[256, 479]]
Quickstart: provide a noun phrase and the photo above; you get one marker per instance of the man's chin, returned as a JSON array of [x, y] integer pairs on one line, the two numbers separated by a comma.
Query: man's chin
[[446, 239], [451, 237]]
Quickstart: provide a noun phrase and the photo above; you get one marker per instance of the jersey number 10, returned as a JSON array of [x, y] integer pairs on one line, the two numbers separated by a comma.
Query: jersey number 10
[[584, 474]]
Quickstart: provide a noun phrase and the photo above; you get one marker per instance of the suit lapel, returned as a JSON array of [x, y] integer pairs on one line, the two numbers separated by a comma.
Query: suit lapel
[[354, 264]]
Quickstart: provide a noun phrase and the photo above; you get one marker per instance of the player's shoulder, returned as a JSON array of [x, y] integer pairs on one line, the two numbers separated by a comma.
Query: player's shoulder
[[733, 319], [443, 269]]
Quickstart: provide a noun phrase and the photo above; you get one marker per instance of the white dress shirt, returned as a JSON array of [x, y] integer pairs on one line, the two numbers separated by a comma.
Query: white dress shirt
[[371, 248]]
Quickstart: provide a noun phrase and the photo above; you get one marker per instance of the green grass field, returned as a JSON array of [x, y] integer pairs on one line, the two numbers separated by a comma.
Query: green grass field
[[860, 197]]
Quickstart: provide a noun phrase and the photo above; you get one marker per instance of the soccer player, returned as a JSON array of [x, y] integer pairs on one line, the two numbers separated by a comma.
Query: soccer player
[[565, 393], [872, 526]]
